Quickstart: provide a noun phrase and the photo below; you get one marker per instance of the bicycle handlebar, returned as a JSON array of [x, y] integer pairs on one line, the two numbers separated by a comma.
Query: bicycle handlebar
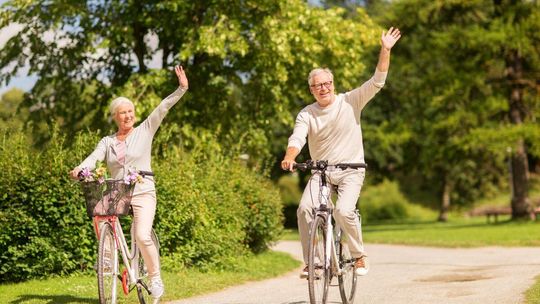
[[141, 172], [322, 165]]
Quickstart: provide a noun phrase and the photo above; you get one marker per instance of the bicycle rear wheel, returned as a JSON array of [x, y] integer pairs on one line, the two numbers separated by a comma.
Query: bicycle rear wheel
[[143, 283], [319, 272], [347, 279], [107, 265]]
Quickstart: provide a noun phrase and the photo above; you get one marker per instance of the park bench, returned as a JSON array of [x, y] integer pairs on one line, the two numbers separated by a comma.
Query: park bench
[[493, 212]]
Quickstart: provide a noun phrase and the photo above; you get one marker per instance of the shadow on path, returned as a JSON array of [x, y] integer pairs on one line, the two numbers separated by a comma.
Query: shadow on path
[[52, 299]]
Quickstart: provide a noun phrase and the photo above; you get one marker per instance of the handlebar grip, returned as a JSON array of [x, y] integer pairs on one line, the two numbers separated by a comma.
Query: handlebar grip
[[352, 166], [300, 166], [146, 173]]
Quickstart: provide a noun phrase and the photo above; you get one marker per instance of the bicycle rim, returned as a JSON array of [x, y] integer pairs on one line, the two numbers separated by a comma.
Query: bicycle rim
[[347, 280], [107, 266], [319, 273], [143, 284]]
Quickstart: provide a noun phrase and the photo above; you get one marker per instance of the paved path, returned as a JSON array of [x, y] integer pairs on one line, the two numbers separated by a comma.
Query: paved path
[[405, 274]]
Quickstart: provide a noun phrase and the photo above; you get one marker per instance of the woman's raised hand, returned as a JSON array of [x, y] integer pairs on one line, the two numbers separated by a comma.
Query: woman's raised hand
[[181, 74]]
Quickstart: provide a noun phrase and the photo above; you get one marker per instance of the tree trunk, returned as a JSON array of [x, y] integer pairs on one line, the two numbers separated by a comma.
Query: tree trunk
[[520, 166], [445, 201]]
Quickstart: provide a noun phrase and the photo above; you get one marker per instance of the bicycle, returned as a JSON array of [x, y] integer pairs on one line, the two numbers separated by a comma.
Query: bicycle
[[329, 255], [106, 202]]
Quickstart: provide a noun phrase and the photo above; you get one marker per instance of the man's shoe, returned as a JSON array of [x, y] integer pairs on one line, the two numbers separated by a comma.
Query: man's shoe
[[304, 274], [361, 266], [156, 288]]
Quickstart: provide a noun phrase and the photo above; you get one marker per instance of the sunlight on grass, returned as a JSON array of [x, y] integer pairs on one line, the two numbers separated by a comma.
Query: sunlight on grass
[[82, 288], [473, 232]]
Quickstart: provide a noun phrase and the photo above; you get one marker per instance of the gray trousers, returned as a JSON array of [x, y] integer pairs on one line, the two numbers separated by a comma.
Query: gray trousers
[[349, 183]]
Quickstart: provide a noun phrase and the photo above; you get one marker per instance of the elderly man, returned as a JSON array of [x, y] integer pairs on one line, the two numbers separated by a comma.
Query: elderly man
[[333, 131]]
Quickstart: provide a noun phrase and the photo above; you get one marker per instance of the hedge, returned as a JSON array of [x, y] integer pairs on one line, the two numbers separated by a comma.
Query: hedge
[[211, 208]]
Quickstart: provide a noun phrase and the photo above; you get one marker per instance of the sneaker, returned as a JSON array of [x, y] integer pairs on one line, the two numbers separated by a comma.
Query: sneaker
[[361, 266], [156, 288], [304, 274]]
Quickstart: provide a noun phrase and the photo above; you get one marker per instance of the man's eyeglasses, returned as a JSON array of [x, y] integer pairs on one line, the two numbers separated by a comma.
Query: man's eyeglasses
[[318, 86]]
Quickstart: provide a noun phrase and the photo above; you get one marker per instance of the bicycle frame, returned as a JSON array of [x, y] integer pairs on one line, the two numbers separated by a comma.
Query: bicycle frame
[[128, 254], [325, 211]]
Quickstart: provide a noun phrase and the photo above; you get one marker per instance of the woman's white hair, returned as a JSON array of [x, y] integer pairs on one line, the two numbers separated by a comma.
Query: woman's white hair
[[318, 71], [117, 102]]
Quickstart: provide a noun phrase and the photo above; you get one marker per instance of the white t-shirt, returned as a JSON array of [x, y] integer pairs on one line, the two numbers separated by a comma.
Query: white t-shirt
[[334, 133]]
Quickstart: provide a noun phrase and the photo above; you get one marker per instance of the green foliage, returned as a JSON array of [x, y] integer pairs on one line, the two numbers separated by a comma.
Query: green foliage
[[443, 117], [247, 61], [211, 208], [289, 187], [44, 227], [11, 116], [383, 202]]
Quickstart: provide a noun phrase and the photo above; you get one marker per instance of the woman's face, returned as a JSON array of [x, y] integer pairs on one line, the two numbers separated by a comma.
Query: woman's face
[[125, 116]]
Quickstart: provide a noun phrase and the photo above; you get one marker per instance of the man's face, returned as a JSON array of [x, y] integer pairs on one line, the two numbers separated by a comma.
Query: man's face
[[322, 88]]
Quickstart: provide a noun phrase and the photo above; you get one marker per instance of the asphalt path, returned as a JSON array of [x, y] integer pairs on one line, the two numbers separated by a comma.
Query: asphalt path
[[406, 274]]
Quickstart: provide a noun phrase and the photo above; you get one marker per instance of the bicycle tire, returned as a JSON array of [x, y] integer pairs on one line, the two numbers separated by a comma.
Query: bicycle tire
[[107, 265], [143, 282], [318, 272], [347, 279]]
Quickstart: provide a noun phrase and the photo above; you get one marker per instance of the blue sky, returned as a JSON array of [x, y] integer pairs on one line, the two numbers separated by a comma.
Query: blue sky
[[22, 81]]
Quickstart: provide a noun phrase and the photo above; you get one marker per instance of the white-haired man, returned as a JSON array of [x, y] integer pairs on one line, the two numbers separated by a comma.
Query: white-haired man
[[332, 128]]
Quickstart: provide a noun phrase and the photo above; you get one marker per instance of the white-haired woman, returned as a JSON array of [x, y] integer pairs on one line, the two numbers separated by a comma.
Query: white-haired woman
[[130, 147]]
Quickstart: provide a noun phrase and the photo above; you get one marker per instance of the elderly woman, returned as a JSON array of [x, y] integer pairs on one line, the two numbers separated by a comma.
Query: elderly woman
[[130, 147]]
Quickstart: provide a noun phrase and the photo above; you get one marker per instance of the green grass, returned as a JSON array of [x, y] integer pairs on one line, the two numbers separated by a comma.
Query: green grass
[[474, 232], [82, 288], [457, 232], [532, 296]]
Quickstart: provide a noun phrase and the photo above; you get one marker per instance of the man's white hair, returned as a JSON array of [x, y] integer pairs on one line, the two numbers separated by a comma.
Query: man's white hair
[[117, 102], [318, 71]]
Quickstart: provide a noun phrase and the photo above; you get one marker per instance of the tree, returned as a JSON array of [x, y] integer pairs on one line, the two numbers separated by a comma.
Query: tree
[[11, 116], [248, 61], [456, 73]]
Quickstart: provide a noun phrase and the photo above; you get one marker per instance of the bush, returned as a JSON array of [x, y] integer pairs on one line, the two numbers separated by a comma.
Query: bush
[[383, 202], [289, 188], [210, 209]]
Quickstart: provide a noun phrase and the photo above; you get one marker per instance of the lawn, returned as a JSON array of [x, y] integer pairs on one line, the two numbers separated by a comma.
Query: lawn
[[82, 288]]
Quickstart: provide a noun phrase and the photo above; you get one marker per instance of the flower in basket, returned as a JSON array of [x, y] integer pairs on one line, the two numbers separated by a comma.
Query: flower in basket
[[133, 177], [99, 174]]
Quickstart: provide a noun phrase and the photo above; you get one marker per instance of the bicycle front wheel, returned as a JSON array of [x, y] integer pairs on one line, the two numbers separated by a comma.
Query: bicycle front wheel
[[319, 272], [347, 278], [107, 265], [143, 283]]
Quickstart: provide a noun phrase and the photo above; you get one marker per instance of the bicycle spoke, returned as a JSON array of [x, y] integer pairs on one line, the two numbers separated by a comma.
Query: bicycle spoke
[[107, 266], [143, 283], [347, 280], [318, 278]]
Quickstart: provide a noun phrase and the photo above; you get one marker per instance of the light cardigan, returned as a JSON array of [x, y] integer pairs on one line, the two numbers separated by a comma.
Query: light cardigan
[[334, 132], [138, 146]]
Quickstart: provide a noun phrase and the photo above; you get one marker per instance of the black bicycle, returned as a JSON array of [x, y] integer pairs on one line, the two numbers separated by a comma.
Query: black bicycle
[[329, 253]]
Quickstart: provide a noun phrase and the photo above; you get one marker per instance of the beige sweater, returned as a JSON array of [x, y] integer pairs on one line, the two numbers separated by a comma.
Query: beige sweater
[[334, 132], [138, 146]]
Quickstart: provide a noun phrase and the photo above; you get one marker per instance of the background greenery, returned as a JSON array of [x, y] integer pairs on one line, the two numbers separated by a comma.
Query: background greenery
[[456, 123], [212, 209]]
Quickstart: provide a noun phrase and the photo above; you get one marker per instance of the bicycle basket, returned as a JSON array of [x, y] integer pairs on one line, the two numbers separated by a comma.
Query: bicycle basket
[[112, 197]]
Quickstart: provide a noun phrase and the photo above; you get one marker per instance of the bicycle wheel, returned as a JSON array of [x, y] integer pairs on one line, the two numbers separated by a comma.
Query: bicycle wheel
[[107, 266], [347, 279], [143, 283], [319, 272]]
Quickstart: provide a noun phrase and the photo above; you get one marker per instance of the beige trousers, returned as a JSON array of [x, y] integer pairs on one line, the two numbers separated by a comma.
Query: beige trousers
[[347, 184], [144, 210]]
